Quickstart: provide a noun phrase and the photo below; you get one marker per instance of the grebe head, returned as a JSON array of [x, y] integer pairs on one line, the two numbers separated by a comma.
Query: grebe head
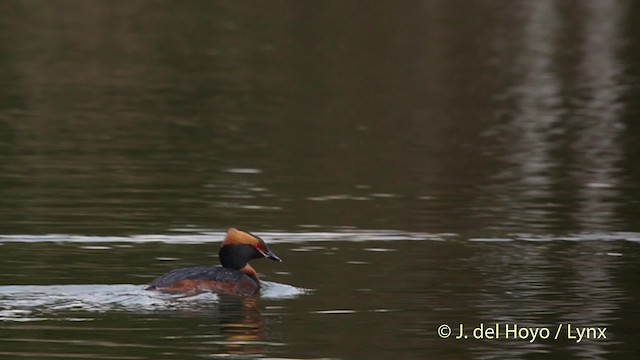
[[240, 246]]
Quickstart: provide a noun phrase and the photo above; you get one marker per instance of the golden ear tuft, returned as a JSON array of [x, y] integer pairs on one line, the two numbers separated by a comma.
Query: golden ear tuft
[[235, 236]]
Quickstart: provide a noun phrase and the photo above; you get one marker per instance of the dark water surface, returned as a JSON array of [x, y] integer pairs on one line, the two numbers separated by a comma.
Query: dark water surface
[[414, 164]]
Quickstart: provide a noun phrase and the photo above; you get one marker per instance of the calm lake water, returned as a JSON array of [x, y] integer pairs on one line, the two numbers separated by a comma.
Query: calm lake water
[[418, 166]]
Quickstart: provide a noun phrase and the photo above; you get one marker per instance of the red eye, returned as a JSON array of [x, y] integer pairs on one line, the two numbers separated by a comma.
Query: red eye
[[260, 250]]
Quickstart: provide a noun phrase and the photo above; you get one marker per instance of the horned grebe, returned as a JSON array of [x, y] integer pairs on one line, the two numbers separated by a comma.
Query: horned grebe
[[235, 276]]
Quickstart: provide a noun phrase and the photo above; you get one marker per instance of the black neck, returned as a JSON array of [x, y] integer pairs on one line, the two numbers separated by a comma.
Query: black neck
[[236, 256]]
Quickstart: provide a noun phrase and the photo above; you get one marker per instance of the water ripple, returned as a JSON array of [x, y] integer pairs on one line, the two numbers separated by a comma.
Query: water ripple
[[44, 302], [304, 237]]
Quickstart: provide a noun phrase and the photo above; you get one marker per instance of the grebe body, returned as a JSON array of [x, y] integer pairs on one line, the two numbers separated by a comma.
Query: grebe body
[[235, 276]]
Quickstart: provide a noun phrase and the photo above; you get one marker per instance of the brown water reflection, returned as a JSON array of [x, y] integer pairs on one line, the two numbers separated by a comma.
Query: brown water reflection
[[404, 116], [502, 136], [242, 326]]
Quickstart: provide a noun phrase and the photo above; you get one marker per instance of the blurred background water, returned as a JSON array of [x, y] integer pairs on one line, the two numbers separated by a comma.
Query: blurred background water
[[414, 163]]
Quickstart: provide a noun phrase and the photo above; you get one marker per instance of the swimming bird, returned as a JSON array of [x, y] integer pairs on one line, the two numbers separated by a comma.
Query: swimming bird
[[235, 276]]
